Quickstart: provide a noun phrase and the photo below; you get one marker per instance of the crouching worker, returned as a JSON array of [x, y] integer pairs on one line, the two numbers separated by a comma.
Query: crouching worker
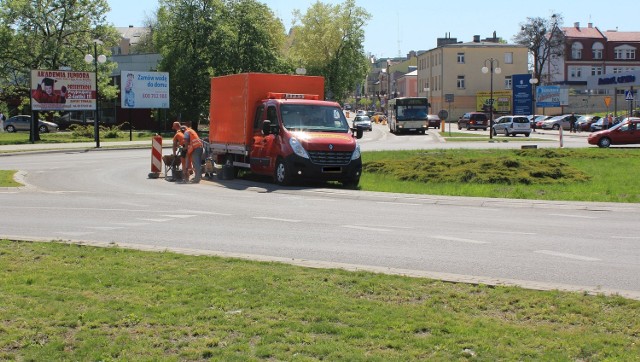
[[194, 153]]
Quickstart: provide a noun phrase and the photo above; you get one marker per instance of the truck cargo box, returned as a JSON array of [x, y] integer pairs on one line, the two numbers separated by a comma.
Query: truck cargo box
[[234, 99]]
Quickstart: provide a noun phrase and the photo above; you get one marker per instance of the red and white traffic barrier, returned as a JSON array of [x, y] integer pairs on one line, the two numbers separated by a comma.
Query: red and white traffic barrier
[[156, 156], [560, 135]]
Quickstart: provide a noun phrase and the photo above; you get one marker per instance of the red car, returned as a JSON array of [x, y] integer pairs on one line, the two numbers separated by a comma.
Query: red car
[[623, 133]]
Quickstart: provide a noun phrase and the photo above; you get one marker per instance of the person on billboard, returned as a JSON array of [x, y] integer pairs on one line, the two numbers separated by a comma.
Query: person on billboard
[[129, 95], [45, 92]]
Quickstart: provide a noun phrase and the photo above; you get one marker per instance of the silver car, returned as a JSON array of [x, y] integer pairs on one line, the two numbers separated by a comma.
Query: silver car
[[512, 125], [23, 123], [363, 122]]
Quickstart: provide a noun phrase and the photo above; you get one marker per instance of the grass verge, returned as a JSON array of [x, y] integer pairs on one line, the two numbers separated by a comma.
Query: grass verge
[[590, 174], [72, 302]]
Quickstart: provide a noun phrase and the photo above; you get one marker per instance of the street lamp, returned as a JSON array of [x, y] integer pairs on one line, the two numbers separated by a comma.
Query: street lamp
[[533, 81], [95, 58], [491, 69]]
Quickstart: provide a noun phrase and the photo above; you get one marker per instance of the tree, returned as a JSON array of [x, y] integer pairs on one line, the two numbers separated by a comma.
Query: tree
[[330, 42], [51, 34], [543, 38], [199, 39]]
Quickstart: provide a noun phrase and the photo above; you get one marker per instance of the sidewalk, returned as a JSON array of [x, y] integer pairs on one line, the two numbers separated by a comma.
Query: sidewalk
[[87, 146]]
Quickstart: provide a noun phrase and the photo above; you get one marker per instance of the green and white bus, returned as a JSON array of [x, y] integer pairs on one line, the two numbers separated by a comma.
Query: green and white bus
[[408, 114]]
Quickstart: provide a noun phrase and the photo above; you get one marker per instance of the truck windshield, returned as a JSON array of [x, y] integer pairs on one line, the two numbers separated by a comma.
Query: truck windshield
[[305, 117]]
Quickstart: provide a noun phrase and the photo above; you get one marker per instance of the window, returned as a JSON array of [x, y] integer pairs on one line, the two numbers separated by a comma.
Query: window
[[508, 82], [508, 58], [461, 58], [575, 72], [596, 50], [576, 50], [596, 70], [624, 52], [461, 82], [617, 70]]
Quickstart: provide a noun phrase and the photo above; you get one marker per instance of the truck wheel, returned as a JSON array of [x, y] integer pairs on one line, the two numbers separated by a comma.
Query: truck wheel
[[282, 175]]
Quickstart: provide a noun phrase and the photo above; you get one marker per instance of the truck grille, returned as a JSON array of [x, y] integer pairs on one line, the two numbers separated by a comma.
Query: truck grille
[[330, 158]]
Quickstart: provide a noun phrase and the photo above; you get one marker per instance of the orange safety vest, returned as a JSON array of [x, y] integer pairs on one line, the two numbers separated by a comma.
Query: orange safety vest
[[194, 139]]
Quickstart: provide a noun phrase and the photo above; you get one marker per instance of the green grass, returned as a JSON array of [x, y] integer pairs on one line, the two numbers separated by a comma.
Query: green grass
[[6, 179], [79, 303], [592, 174]]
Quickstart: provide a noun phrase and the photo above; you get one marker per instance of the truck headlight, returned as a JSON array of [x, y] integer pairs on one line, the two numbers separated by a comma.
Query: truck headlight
[[297, 148], [356, 153]]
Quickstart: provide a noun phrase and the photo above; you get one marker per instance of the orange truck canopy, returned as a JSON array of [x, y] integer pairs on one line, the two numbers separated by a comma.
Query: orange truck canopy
[[234, 99]]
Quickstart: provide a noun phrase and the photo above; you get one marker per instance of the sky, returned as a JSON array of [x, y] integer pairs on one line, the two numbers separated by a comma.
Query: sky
[[397, 27]]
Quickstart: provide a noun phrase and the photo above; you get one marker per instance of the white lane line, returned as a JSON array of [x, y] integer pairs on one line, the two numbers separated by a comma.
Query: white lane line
[[154, 220], [505, 232], [450, 238], [565, 255], [131, 223], [367, 228], [75, 233], [274, 219], [397, 203], [626, 237], [105, 228], [179, 216], [575, 216]]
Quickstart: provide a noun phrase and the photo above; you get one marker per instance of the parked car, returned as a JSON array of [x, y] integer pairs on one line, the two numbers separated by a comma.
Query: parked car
[[364, 122], [597, 125], [512, 125], [473, 120], [434, 121], [23, 123], [624, 133], [361, 112], [558, 121], [584, 122]]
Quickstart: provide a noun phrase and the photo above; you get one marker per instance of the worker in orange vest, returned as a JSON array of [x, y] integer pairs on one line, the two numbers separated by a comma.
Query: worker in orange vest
[[194, 153], [178, 143]]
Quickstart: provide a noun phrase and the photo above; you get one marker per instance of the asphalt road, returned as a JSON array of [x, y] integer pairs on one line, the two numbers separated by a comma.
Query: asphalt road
[[104, 197]]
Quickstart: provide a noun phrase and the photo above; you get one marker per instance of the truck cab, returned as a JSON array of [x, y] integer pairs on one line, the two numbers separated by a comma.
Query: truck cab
[[304, 138]]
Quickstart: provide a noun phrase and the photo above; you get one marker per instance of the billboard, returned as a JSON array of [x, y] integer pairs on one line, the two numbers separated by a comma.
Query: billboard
[[61, 90], [522, 95], [501, 104], [144, 89], [548, 96]]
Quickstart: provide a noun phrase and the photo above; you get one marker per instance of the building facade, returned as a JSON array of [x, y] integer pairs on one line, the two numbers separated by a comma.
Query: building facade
[[453, 70]]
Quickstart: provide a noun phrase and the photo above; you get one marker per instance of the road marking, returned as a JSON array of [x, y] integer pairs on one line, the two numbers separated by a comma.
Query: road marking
[[565, 255], [154, 220], [450, 238], [105, 228], [275, 219], [397, 203], [367, 228], [575, 216], [75, 233], [179, 216], [505, 232], [626, 237], [131, 223]]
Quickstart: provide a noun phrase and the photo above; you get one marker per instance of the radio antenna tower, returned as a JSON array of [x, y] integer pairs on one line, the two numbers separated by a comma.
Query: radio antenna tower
[[399, 41]]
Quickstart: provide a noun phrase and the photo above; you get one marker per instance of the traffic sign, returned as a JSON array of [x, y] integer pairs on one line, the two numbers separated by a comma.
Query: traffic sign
[[607, 101], [443, 114], [448, 97], [628, 95]]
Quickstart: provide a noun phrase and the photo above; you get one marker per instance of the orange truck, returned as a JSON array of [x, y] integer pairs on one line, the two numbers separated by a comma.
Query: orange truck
[[280, 125]]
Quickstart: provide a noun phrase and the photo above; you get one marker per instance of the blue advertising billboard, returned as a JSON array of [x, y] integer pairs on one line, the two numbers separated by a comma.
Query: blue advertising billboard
[[548, 96], [522, 95]]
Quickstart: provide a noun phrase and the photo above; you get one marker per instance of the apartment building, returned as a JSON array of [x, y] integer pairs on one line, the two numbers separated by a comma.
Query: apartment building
[[453, 70]]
